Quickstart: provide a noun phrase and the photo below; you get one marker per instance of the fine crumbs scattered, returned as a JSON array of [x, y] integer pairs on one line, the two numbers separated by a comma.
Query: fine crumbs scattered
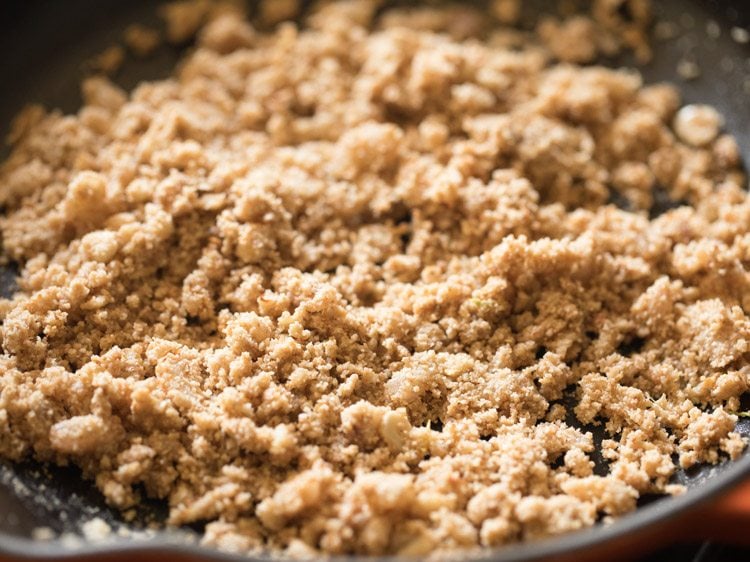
[[360, 286]]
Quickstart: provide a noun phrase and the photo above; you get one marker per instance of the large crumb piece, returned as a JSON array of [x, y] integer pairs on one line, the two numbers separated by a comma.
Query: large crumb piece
[[698, 125], [357, 286], [96, 530], [184, 18], [573, 40], [108, 61], [506, 11], [141, 40], [275, 11]]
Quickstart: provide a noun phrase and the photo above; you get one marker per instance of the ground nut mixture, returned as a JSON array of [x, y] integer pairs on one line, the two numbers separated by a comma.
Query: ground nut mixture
[[360, 287]]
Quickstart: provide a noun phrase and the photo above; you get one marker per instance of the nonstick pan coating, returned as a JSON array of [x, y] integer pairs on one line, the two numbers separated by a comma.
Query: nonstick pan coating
[[43, 44]]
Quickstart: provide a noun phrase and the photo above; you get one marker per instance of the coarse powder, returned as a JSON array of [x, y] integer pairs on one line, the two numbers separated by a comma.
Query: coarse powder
[[328, 288]]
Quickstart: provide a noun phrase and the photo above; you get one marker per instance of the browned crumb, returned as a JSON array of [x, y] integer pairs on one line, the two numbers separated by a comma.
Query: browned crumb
[[740, 35], [626, 24], [108, 61], [141, 40], [698, 125], [275, 11], [688, 69], [96, 530], [184, 18], [343, 289], [573, 40], [24, 122], [612, 26], [506, 11]]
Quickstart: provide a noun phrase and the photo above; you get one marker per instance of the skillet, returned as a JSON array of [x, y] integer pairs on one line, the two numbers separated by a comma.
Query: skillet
[[42, 46]]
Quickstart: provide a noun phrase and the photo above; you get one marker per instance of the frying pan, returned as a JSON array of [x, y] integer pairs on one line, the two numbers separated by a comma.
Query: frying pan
[[42, 46]]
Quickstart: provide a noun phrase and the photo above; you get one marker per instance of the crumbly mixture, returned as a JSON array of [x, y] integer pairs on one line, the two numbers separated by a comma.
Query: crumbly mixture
[[360, 288]]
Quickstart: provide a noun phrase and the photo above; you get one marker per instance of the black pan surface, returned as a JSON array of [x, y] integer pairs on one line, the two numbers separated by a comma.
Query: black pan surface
[[43, 44]]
